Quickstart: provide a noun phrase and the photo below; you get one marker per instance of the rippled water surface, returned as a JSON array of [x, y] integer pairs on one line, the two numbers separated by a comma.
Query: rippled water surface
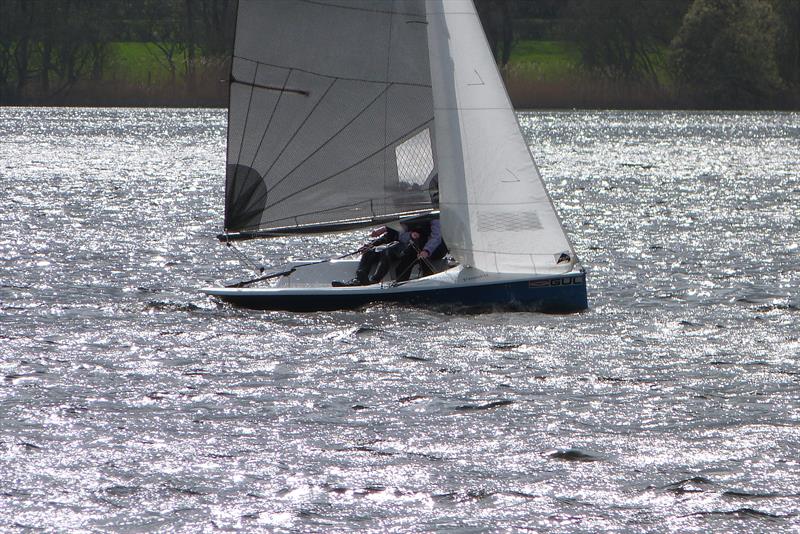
[[131, 402]]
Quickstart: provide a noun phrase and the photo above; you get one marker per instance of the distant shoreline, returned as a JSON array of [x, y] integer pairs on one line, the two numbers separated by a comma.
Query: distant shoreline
[[525, 94]]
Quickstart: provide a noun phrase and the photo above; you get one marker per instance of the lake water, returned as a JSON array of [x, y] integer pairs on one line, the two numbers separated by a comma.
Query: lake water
[[131, 402]]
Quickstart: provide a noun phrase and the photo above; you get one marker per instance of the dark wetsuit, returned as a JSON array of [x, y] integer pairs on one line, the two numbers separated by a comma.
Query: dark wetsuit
[[402, 251]]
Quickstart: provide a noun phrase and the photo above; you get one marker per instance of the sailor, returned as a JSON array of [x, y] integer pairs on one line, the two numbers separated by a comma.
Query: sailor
[[417, 242], [426, 244]]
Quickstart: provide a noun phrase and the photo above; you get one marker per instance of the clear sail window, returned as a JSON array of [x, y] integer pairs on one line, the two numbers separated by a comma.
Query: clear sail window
[[415, 159]]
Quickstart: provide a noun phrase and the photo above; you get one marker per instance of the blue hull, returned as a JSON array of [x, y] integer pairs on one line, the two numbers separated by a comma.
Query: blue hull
[[559, 294]]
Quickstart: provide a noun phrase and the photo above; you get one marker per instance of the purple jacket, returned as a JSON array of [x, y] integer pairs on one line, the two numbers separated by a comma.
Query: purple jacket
[[434, 239]]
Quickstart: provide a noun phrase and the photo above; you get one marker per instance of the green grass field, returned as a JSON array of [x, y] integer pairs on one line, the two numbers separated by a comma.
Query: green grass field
[[145, 63], [547, 60], [539, 74], [142, 63], [560, 60]]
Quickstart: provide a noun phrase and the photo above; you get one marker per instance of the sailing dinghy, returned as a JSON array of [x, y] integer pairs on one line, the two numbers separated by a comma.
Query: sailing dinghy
[[345, 114]]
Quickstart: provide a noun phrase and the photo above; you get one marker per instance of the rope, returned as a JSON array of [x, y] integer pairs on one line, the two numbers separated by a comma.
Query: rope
[[244, 259], [408, 269]]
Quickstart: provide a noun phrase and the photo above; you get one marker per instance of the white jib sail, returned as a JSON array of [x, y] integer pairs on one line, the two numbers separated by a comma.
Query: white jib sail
[[496, 214]]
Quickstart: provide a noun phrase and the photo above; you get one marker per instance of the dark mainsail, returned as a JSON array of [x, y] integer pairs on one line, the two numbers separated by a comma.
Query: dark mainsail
[[330, 115]]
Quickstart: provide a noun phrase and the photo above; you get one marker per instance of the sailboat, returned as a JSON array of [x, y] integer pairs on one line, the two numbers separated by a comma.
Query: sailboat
[[346, 114]]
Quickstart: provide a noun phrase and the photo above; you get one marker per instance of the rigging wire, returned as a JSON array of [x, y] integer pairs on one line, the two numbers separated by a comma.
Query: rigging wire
[[425, 261], [243, 257]]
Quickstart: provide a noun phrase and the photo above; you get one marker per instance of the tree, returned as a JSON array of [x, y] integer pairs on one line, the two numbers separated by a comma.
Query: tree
[[160, 26], [496, 18], [788, 51], [624, 39], [23, 30], [47, 46], [181, 32], [725, 53], [216, 19], [539, 19], [10, 26], [208, 31]]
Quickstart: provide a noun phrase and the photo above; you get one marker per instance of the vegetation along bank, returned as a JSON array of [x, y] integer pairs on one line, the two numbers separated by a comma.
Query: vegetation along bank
[[712, 54]]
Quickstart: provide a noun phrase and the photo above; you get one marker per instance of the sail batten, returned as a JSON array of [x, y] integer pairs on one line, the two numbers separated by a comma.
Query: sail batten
[[271, 87]]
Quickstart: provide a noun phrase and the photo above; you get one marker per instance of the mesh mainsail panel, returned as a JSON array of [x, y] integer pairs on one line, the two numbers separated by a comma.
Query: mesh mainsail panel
[[324, 96], [415, 159]]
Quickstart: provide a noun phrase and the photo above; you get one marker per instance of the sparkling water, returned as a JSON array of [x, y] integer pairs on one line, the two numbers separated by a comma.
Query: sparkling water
[[131, 402]]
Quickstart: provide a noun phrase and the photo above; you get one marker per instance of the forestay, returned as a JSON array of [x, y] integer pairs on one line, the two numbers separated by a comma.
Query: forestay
[[496, 214], [330, 115]]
